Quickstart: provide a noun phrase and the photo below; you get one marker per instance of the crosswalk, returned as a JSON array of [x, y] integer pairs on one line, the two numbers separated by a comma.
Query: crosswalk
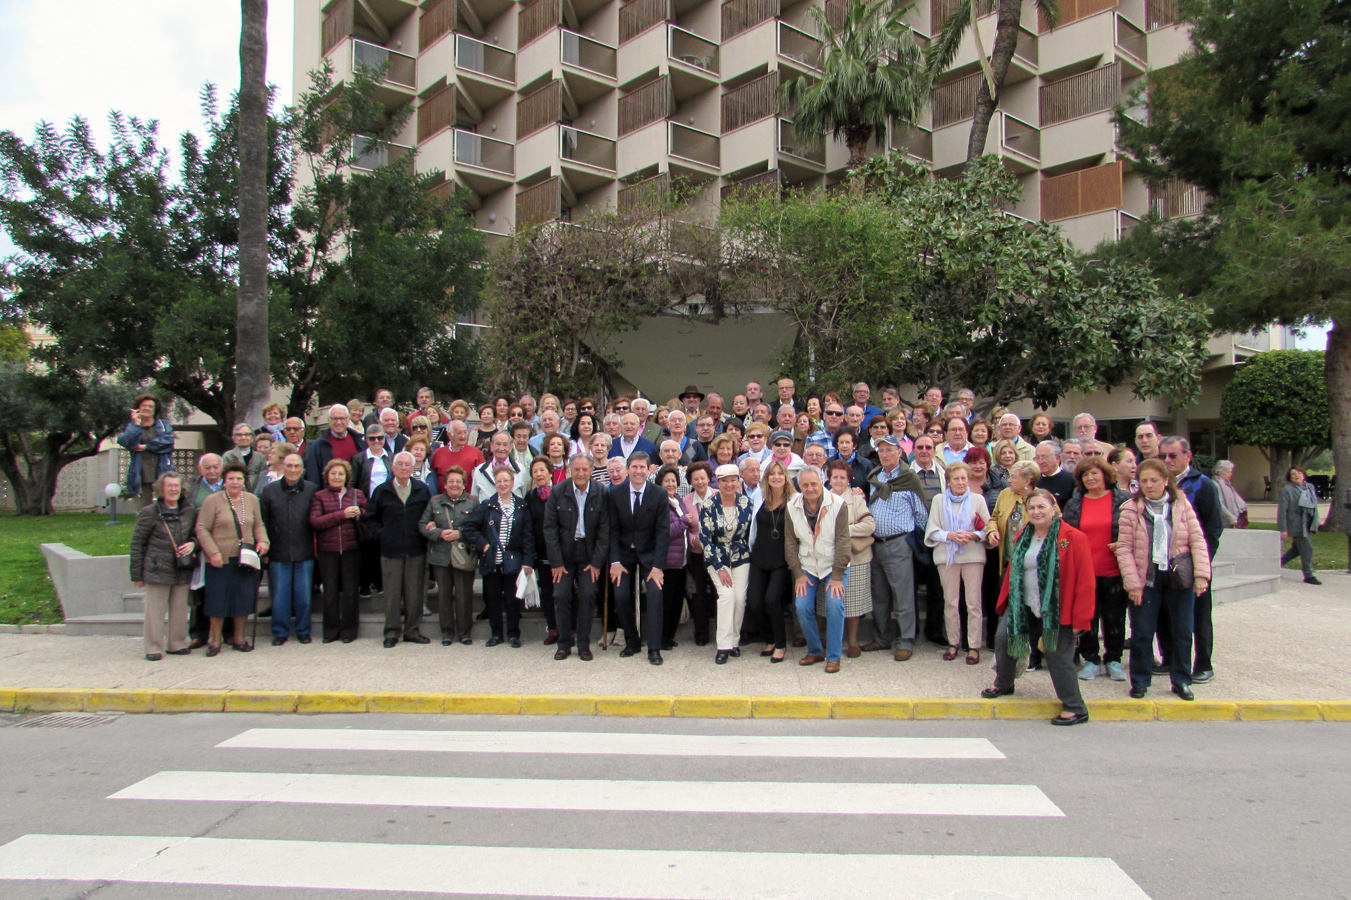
[[588, 870]]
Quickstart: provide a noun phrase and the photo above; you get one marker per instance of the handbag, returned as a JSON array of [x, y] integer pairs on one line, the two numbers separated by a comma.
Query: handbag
[[180, 562], [248, 553], [1181, 572]]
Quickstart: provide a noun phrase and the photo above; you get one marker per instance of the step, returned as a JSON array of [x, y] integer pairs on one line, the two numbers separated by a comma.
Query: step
[[1231, 588], [1222, 568]]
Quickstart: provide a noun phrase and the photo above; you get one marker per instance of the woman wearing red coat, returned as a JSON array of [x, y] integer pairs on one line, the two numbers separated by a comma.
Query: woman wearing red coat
[[1049, 577]]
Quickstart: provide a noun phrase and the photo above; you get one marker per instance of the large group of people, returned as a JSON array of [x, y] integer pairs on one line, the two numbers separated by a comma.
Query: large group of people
[[755, 522]]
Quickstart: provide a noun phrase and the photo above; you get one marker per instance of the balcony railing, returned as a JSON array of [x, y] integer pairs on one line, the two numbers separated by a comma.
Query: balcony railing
[[1084, 191], [914, 140], [485, 59], [1026, 48], [649, 103], [472, 149], [370, 153], [537, 18], [337, 24], [1081, 95], [743, 15], [584, 53], [694, 145], [797, 44], [691, 49], [640, 15], [436, 112], [753, 101], [1177, 200], [800, 146], [956, 100], [437, 20], [541, 203], [1161, 13], [400, 68], [941, 10], [637, 198], [765, 183], [539, 110], [1132, 38], [1074, 10], [1020, 137], [586, 148], [1258, 341]]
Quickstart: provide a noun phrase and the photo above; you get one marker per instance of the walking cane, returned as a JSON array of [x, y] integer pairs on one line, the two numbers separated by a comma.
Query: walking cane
[[605, 615], [257, 590]]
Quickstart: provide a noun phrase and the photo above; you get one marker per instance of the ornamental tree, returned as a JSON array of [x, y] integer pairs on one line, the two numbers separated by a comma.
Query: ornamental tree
[[1278, 403]]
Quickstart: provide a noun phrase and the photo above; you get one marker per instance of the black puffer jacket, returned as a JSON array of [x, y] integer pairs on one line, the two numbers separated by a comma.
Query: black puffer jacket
[[152, 552], [286, 516]]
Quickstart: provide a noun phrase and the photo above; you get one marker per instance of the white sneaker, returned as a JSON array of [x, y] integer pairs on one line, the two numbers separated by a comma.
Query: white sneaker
[[1115, 671], [1089, 670]]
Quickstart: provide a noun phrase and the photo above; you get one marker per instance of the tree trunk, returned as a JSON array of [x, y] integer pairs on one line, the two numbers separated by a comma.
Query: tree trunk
[[32, 474], [1005, 42], [1337, 367], [253, 382]]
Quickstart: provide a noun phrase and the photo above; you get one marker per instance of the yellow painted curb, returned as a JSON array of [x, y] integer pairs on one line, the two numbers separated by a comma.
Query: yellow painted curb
[[712, 707], [1335, 710], [1122, 710], [400, 702], [189, 701], [1197, 710], [120, 701], [1027, 708], [261, 701], [557, 705], [483, 704], [635, 706], [6, 700], [872, 708], [49, 699], [954, 709], [790, 707], [331, 702], [1270, 710]]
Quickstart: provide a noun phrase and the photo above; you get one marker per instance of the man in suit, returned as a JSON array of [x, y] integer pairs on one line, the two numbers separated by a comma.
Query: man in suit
[[639, 536], [630, 441], [395, 441], [577, 535]]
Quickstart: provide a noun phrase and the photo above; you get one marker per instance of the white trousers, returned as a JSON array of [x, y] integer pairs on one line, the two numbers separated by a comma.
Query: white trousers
[[731, 605]]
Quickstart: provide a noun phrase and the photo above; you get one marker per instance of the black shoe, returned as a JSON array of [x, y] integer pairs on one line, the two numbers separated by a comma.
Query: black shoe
[[735, 651], [516, 643], [184, 652], [1312, 580], [390, 642], [1184, 692], [1161, 669], [1138, 693], [483, 616], [417, 639], [277, 642], [720, 657], [1071, 720], [493, 641], [304, 638], [466, 641], [266, 614], [348, 640], [701, 643], [156, 657], [654, 657], [670, 645], [1204, 676], [445, 642], [329, 640], [631, 650], [990, 693]]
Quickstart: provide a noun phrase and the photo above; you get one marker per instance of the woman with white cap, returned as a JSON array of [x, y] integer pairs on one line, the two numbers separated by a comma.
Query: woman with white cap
[[725, 532]]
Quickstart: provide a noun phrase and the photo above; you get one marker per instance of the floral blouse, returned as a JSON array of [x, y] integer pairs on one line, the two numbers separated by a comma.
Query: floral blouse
[[727, 541]]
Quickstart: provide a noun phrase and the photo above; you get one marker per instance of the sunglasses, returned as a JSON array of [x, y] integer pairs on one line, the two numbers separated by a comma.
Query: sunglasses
[[379, 438], [294, 428], [621, 409], [588, 408], [834, 412], [419, 427], [1172, 455]]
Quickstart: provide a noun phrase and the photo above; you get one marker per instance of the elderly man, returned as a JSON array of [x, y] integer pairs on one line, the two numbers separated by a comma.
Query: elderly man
[[483, 488], [691, 451], [705, 430], [814, 456], [862, 399], [577, 540], [1071, 452], [395, 441], [755, 393], [616, 471], [853, 417], [933, 480], [612, 425], [630, 440], [1053, 476], [896, 502], [749, 467], [393, 513], [647, 426], [459, 452], [670, 456], [1085, 427], [1010, 429], [713, 406], [338, 442], [891, 398], [934, 397], [967, 398], [528, 408], [384, 399], [690, 398], [550, 423], [832, 419], [285, 510], [787, 391], [787, 419], [242, 452], [1204, 495], [205, 483], [293, 430]]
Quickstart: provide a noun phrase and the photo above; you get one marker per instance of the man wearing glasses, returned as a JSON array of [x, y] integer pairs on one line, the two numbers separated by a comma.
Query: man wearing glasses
[[294, 432], [1176, 453], [338, 442], [371, 469], [832, 419], [862, 396]]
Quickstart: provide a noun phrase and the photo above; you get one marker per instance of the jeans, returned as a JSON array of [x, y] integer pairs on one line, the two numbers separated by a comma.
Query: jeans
[[292, 585], [1144, 621], [806, 614]]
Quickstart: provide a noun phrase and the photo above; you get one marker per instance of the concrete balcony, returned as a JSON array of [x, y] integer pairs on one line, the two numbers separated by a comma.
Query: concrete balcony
[[693, 61], [1091, 229], [486, 74], [588, 66], [1102, 38], [694, 155], [398, 83], [369, 152], [586, 159], [770, 46], [485, 165]]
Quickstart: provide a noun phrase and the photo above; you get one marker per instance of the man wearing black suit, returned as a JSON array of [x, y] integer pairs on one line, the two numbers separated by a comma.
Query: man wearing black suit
[[577, 545], [639, 536]]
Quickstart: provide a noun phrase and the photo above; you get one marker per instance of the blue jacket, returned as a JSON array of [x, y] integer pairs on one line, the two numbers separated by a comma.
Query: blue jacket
[[482, 531], [642, 444], [163, 444]]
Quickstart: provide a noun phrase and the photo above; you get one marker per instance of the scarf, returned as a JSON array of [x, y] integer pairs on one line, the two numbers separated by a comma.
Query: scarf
[[544, 492], [957, 517], [1308, 498], [1048, 576], [1158, 549], [907, 480]]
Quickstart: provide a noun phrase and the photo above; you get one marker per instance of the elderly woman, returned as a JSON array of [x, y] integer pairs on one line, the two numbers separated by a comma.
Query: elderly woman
[[959, 528], [452, 559], [600, 454], [858, 594], [334, 511], [1122, 461], [1040, 426], [149, 438], [482, 436], [162, 562], [230, 520], [1046, 600], [725, 533], [722, 451], [421, 448], [769, 578], [555, 453], [243, 452], [500, 530], [817, 549], [1233, 508], [990, 484], [421, 427], [802, 429], [682, 531], [1095, 509], [459, 410], [273, 415], [920, 417], [980, 433], [542, 483], [699, 475], [1003, 456], [1297, 517], [276, 461]]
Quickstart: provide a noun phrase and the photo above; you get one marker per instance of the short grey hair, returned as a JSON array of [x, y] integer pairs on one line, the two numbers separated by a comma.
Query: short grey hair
[[811, 470], [1083, 415], [1075, 441], [338, 407], [1009, 415], [747, 460], [582, 456], [1053, 444], [1179, 440], [609, 441], [1224, 465], [412, 460]]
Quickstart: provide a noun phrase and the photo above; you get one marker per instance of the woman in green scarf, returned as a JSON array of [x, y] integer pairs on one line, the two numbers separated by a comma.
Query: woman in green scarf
[[1049, 580]]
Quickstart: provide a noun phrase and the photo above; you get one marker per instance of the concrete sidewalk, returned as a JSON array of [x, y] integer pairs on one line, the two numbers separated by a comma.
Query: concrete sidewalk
[[1280, 646]]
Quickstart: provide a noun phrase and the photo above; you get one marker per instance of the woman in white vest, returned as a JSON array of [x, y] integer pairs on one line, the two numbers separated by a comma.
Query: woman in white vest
[[817, 548]]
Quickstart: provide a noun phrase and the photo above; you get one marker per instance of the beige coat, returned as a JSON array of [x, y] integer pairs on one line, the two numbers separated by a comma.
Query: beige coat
[[216, 527], [935, 532]]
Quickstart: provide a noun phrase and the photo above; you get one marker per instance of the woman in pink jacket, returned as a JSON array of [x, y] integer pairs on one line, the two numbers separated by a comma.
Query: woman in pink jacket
[[1164, 563]]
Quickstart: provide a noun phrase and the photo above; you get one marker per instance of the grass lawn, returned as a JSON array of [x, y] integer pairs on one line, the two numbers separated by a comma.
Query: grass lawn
[[1329, 549], [26, 594]]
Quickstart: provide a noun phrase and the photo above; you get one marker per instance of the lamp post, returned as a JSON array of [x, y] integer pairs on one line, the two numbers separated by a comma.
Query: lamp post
[[112, 490]]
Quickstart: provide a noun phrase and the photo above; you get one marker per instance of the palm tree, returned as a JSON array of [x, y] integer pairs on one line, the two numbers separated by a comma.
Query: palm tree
[[253, 379], [996, 67], [873, 71]]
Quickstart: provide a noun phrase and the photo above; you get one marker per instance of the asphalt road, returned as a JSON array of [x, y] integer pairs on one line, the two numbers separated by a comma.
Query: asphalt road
[[407, 806]]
